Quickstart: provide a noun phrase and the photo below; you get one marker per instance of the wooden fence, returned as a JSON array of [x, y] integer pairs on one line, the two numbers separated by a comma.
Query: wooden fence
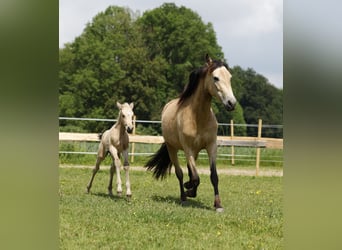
[[232, 141]]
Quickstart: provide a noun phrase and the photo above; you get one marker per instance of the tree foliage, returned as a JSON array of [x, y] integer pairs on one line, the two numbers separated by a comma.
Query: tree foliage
[[121, 56]]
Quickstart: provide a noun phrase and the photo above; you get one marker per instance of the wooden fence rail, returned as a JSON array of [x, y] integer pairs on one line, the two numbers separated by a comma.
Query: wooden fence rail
[[240, 141], [232, 141]]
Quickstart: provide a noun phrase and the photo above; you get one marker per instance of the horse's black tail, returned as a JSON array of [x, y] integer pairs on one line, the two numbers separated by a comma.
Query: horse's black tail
[[160, 163]]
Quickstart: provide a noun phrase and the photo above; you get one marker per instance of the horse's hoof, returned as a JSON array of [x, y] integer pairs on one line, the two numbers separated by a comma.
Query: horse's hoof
[[184, 203], [119, 193], [128, 197], [188, 185], [219, 209], [191, 193]]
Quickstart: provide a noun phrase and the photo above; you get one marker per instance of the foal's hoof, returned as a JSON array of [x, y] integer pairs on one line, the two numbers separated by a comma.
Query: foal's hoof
[[128, 197], [119, 193]]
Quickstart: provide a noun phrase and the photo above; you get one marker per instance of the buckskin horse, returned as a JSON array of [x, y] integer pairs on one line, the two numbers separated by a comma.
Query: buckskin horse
[[189, 124]]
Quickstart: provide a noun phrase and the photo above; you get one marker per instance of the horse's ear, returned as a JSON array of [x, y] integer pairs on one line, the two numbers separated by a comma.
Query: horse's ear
[[208, 60], [131, 105], [118, 105]]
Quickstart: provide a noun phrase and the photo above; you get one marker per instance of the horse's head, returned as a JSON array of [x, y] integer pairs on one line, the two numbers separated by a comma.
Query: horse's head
[[218, 83], [126, 115]]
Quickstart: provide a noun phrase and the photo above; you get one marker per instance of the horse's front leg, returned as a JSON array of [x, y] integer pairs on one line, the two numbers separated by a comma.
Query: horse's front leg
[[214, 178], [126, 167], [117, 165], [194, 181]]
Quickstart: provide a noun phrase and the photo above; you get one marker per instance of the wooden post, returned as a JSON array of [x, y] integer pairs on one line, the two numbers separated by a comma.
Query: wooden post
[[231, 136], [258, 148], [133, 144]]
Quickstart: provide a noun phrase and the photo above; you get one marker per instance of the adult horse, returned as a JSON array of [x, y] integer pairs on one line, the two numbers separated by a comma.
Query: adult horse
[[115, 141], [189, 124]]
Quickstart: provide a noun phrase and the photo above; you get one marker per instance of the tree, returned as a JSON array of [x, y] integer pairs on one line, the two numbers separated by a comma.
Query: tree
[[109, 63], [147, 60], [259, 100], [179, 36]]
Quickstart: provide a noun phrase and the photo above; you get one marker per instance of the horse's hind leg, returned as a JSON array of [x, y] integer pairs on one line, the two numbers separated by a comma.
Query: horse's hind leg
[[178, 170], [111, 174], [100, 157]]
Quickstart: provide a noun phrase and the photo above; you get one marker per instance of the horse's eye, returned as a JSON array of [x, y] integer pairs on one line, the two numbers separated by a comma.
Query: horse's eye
[[216, 79], [123, 116]]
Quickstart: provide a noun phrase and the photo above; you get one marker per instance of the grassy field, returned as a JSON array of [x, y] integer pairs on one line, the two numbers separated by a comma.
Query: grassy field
[[154, 219]]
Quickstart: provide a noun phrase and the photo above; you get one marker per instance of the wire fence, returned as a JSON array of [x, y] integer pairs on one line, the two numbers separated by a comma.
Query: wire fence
[[223, 154], [149, 121]]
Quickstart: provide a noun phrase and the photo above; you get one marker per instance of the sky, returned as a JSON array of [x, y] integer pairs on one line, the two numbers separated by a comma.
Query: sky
[[250, 32]]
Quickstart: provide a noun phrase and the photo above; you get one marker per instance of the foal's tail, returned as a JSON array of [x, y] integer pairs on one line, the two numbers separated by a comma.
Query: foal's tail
[[160, 163]]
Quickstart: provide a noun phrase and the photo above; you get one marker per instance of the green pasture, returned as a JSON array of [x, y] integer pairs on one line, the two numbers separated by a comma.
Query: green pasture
[[244, 156], [154, 219]]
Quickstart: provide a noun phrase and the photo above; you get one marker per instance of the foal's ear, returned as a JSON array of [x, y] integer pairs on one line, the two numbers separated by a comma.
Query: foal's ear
[[208, 60], [118, 105], [131, 105]]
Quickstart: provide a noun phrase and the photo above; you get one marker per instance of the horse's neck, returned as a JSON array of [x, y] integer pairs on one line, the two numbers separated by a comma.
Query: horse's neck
[[119, 126], [201, 101]]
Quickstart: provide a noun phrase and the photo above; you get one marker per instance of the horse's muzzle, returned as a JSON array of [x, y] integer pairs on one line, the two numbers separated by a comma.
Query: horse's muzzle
[[230, 106], [129, 129]]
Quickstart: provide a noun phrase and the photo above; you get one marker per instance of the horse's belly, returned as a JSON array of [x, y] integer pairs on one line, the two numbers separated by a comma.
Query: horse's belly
[[169, 124]]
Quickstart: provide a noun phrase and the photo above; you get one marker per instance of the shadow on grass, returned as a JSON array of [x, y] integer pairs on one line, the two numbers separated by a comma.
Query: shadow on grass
[[189, 203], [112, 197]]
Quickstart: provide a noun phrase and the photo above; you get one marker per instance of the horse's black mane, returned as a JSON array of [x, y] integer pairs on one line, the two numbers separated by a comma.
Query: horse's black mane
[[195, 77]]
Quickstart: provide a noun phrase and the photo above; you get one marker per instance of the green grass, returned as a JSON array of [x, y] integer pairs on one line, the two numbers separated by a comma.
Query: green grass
[[154, 219], [245, 156]]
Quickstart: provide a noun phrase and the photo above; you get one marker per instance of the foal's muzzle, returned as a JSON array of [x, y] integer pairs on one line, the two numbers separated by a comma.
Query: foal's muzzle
[[129, 129]]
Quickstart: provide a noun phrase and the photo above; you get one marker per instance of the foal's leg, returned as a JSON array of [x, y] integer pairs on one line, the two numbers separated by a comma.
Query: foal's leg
[[100, 157], [179, 171], [115, 164], [126, 167], [213, 176]]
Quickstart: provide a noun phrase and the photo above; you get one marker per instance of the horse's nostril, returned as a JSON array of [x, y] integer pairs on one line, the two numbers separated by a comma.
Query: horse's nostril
[[230, 106]]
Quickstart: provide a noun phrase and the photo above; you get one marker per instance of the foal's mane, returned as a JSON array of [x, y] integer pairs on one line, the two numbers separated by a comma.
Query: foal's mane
[[195, 77]]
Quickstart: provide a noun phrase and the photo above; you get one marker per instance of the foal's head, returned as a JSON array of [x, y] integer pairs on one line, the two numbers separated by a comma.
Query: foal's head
[[218, 82], [126, 115]]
